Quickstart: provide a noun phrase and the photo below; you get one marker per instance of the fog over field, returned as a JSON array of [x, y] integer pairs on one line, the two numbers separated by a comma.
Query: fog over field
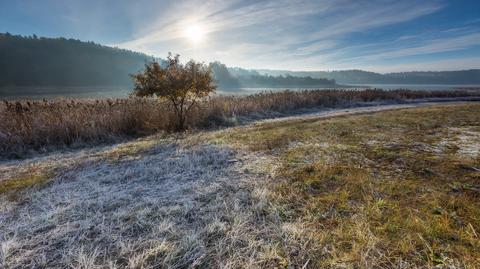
[[44, 67]]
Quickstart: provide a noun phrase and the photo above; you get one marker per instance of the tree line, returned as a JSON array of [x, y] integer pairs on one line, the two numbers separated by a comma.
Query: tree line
[[365, 77], [34, 61], [38, 61], [231, 78]]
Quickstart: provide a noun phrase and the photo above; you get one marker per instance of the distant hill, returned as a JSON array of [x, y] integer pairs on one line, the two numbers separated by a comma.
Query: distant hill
[[31, 61], [34, 61], [234, 78], [365, 77]]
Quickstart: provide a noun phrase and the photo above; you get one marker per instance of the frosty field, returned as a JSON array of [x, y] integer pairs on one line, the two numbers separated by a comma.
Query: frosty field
[[389, 186]]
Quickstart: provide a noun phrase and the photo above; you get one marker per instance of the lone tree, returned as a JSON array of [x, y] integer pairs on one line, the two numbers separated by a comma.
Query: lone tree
[[183, 85]]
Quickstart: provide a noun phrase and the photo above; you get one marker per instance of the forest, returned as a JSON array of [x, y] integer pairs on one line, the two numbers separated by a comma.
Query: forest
[[56, 62], [364, 77], [38, 61], [33, 61]]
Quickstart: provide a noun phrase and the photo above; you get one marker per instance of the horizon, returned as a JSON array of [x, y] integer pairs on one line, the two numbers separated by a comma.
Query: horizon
[[245, 68], [275, 35]]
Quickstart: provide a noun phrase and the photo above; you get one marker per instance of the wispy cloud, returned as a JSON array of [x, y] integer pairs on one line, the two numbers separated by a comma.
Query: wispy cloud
[[278, 34], [430, 47], [360, 16], [429, 65], [316, 47], [286, 34], [221, 16]]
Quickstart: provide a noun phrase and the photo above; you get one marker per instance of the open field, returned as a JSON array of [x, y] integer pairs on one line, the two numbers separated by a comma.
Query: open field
[[359, 188], [41, 126]]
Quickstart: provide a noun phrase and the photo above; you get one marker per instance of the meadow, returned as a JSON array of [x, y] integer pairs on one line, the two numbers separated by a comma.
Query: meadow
[[40, 126], [396, 189], [384, 188]]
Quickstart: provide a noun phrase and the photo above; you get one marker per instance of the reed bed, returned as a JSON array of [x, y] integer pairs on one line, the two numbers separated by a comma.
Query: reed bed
[[27, 125]]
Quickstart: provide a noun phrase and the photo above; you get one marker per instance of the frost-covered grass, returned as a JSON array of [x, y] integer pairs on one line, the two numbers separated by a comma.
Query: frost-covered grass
[[391, 189], [171, 206], [396, 189]]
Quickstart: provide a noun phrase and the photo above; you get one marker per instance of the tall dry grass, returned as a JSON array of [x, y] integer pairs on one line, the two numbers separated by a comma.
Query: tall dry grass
[[36, 125]]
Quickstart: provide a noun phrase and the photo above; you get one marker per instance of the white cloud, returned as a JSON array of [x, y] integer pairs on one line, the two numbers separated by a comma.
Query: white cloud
[[430, 47], [363, 16], [304, 34], [432, 65]]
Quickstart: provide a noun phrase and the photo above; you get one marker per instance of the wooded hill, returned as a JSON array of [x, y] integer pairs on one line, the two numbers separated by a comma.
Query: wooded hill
[[33, 61]]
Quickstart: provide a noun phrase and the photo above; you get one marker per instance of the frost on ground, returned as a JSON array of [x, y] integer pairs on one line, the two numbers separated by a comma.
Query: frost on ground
[[464, 141], [468, 142], [198, 202], [173, 206]]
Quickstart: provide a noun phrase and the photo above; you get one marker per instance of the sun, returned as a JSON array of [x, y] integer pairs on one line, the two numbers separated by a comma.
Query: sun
[[195, 33]]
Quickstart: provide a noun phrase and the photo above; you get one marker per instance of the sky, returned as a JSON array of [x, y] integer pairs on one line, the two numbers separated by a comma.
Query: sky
[[381, 36]]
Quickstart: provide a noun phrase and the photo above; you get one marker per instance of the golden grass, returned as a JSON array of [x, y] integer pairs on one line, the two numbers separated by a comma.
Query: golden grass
[[18, 183], [39, 125], [391, 189]]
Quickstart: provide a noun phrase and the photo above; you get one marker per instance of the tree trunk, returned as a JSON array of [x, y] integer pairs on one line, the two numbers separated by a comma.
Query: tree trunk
[[180, 123], [180, 117]]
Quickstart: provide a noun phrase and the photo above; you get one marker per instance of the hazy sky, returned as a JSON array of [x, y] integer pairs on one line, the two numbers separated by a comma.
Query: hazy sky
[[373, 35]]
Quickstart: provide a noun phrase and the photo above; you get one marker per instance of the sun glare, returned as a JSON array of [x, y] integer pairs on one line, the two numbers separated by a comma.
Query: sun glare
[[195, 33]]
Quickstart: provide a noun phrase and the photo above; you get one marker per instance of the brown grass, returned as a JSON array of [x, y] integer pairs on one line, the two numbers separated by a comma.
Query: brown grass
[[395, 189], [38, 125]]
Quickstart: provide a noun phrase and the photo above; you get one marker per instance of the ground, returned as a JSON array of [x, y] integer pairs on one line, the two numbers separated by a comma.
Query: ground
[[385, 187]]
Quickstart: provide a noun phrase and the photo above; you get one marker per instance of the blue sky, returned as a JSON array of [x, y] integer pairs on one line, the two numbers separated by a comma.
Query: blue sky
[[382, 36]]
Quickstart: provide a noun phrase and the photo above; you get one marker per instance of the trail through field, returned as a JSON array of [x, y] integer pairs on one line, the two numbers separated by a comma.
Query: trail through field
[[152, 202]]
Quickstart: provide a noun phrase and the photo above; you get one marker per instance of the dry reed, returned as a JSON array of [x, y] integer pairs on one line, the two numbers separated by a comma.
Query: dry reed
[[27, 125]]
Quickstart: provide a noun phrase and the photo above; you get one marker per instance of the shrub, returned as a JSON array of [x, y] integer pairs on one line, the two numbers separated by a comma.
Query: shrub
[[181, 85]]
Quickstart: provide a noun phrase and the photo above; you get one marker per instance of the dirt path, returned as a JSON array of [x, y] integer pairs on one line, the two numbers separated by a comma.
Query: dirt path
[[327, 113]]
